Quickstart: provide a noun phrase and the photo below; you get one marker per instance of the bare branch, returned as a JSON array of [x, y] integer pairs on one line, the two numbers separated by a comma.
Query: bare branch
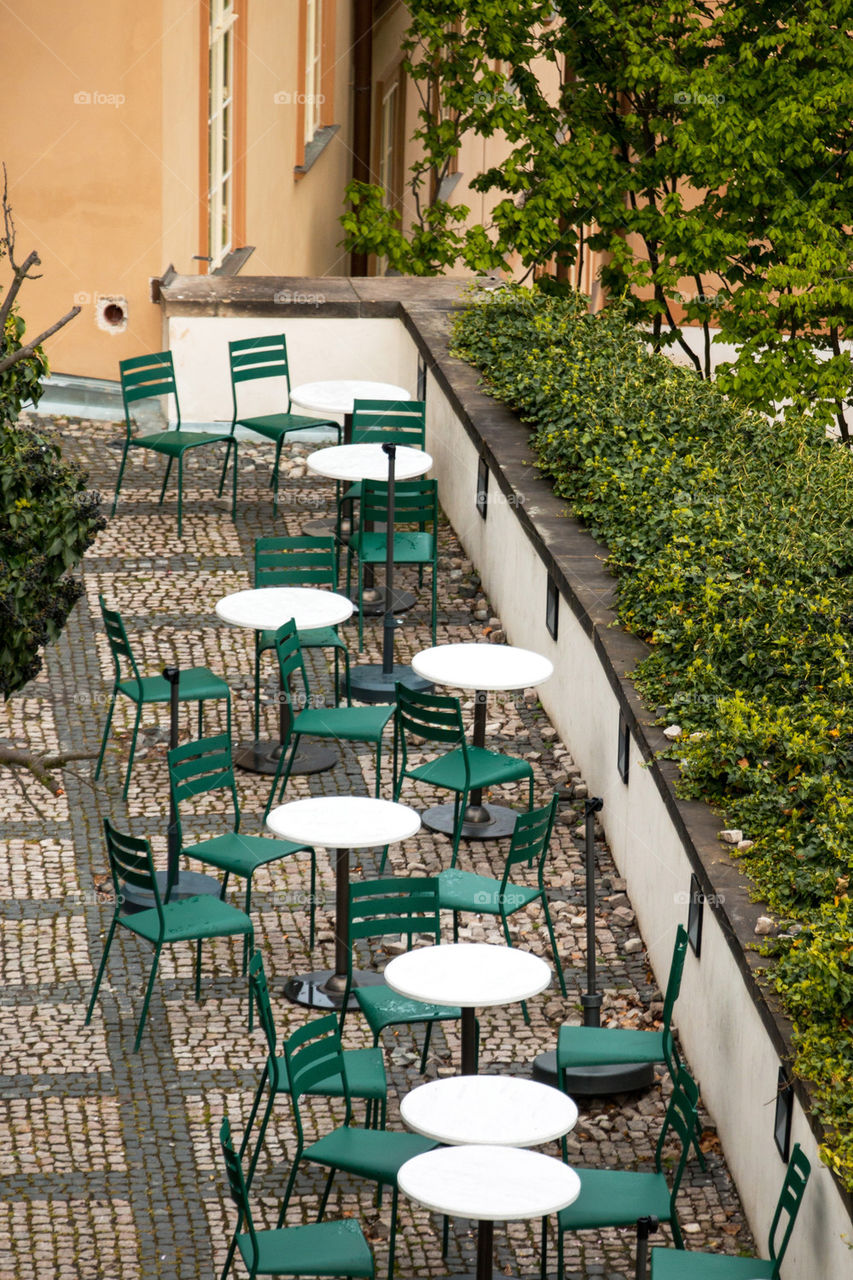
[[23, 353], [40, 765]]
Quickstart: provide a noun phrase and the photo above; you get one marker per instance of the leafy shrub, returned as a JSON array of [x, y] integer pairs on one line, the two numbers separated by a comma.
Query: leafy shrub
[[729, 538], [47, 520]]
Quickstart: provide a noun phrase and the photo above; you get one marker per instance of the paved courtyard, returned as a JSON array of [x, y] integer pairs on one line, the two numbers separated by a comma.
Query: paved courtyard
[[110, 1161]]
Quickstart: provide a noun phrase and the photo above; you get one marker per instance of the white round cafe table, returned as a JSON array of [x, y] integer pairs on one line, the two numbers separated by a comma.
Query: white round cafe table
[[336, 396], [489, 1184], [266, 609], [351, 462], [339, 823], [484, 668], [505, 1111], [469, 974]]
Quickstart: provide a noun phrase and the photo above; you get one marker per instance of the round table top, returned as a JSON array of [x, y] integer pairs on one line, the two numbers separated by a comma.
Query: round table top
[[498, 1184], [268, 608], [502, 1111], [367, 462], [344, 822], [468, 974], [337, 394], [483, 666]]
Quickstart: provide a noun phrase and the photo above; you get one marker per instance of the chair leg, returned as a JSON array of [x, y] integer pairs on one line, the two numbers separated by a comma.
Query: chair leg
[[274, 476], [508, 937], [378, 766], [455, 926], [288, 1191], [132, 750], [458, 824], [224, 467], [149, 989], [101, 968], [198, 970], [120, 477], [165, 481], [543, 1251], [180, 494], [265, 1119], [312, 915], [393, 1234], [278, 773], [248, 910], [233, 480], [434, 600], [326, 1190], [200, 716], [106, 735], [425, 1050], [557, 964], [360, 598]]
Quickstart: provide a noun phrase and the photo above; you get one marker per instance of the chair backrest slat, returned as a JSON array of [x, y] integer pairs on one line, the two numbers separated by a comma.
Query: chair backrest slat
[[282, 562], [118, 642], [680, 1118], [435, 717], [415, 502], [676, 971], [791, 1197], [401, 906], [531, 836], [132, 863], [237, 1191], [389, 422], [201, 766], [260, 991], [147, 377], [313, 1053], [290, 660]]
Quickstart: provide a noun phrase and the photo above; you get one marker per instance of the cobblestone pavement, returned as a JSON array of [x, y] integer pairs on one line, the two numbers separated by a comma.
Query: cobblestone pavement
[[110, 1164]]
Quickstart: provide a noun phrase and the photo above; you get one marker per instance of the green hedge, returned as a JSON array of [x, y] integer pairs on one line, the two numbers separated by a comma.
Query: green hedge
[[731, 540]]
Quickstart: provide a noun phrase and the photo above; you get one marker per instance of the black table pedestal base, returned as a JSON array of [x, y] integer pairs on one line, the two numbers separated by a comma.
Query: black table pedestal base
[[324, 989], [595, 1081], [263, 757], [374, 684], [501, 821]]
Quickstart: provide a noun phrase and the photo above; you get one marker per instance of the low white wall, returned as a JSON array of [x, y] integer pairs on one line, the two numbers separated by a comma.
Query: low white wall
[[377, 350], [721, 1029]]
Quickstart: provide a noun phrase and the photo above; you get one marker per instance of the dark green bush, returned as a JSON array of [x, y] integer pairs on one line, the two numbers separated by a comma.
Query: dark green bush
[[730, 538]]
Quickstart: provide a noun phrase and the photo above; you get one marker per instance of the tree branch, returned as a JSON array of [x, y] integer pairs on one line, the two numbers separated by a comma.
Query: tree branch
[[24, 353]]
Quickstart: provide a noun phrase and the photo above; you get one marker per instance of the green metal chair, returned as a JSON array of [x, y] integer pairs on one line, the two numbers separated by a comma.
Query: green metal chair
[[395, 907], [589, 1046], [252, 360], [364, 1068], [437, 718], [196, 684], [667, 1264], [383, 422], [299, 562], [347, 724], [146, 377], [580, 1047], [415, 506], [313, 1053], [187, 920], [622, 1198], [316, 1249], [465, 891], [197, 768]]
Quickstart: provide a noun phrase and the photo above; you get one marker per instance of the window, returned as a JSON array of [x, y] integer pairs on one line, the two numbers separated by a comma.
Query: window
[[220, 131], [313, 67]]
